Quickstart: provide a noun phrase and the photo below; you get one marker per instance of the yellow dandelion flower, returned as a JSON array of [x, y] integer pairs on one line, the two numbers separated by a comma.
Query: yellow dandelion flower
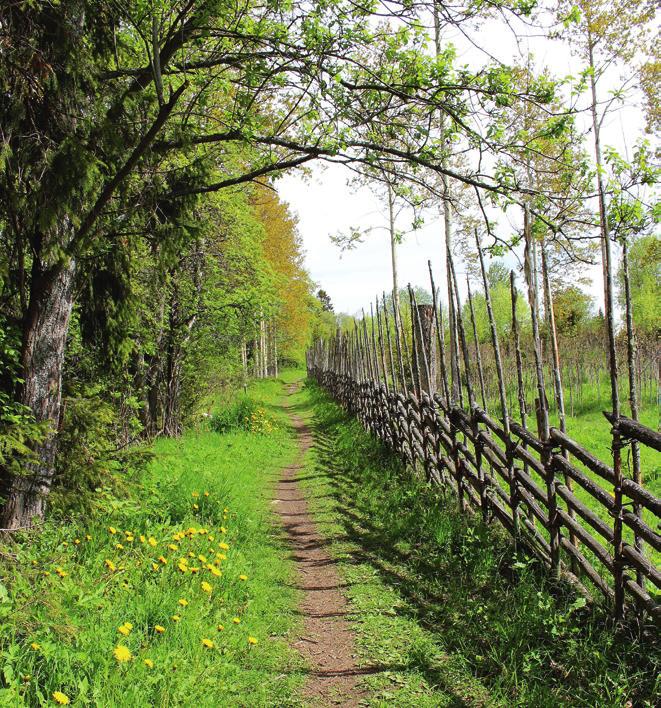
[[88, 537], [159, 628], [61, 572], [163, 560], [46, 572], [173, 546], [123, 629], [223, 546], [210, 537], [61, 698], [206, 586], [110, 565], [237, 620], [148, 663], [128, 624], [122, 654], [176, 618], [195, 495], [252, 640], [77, 541], [183, 602], [130, 538], [142, 538], [220, 627], [155, 566], [119, 547], [208, 644], [182, 567], [194, 570], [226, 510], [191, 554], [112, 529], [243, 577], [192, 531], [196, 507], [206, 494], [214, 570], [35, 646], [202, 532], [151, 541], [202, 558], [223, 529], [221, 556]]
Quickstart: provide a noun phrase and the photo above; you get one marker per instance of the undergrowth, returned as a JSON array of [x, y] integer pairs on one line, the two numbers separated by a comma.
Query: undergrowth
[[442, 604], [172, 592], [242, 413]]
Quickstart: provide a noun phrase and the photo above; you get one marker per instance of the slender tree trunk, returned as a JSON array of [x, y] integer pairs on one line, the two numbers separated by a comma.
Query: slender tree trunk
[[275, 350], [171, 408], [264, 348], [425, 350], [455, 392], [393, 258], [42, 357]]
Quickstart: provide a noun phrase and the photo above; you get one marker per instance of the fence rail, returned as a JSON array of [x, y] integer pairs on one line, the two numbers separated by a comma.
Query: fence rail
[[585, 519]]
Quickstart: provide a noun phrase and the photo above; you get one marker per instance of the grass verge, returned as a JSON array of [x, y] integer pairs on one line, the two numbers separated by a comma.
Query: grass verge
[[440, 601], [174, 593]]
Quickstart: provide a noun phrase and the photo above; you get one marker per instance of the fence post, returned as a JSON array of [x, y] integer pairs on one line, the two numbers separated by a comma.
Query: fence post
[[541, 407]]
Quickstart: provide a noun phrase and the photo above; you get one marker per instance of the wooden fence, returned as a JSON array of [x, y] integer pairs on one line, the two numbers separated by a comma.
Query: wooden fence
[[584, 518]]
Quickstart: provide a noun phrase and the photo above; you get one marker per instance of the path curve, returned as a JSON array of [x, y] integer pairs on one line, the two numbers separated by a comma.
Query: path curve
[[327, 643]]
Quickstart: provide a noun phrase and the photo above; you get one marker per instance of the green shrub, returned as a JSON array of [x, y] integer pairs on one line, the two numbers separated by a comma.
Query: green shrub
[[92, 454], [242, 413]]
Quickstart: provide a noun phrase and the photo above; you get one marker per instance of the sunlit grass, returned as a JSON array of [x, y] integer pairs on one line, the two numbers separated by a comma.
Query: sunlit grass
[[178, 593]]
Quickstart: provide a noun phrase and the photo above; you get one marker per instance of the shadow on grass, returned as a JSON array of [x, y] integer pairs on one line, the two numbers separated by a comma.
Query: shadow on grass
[[527, 640]]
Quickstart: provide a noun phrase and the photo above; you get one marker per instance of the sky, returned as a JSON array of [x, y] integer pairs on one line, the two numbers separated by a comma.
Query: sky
[[326, 204]]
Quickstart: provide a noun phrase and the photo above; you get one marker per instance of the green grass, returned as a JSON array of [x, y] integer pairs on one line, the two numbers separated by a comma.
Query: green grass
[[73, 620], [441, 602]]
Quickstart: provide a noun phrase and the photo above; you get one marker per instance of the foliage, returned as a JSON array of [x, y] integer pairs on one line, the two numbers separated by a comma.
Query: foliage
[[572, 308], [293, 289], [18, 428], [90, 456], [501, 303], [645, 279]]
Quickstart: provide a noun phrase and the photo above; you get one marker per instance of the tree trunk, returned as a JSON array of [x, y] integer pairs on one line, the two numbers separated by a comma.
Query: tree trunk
[[42, 357], [274, 333], [393, 258], [425, 350]]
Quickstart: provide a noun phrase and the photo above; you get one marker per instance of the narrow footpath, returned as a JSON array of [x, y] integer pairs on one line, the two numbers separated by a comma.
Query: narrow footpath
[[327, 642]]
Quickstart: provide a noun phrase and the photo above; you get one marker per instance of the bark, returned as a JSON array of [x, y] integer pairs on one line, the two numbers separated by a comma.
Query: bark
[[425, 350], [393, 258], [42, 358]]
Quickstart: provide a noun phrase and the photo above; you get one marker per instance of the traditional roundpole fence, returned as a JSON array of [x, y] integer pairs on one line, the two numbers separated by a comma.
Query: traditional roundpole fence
[[586, 520]]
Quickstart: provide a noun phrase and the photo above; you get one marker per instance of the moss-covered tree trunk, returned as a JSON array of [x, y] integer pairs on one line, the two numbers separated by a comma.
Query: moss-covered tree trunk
[[42, 356]]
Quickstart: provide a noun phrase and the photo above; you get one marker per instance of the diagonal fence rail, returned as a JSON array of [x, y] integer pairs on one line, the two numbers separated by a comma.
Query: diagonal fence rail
[[582, 517]]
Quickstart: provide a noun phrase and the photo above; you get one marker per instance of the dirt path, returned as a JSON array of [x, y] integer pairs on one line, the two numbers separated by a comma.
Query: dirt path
[[327, 642]]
